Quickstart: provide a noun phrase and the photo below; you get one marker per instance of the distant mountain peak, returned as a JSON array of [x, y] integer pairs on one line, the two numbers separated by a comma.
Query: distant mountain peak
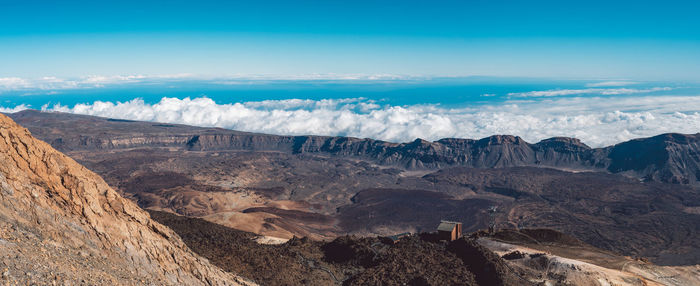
[[501, 139]]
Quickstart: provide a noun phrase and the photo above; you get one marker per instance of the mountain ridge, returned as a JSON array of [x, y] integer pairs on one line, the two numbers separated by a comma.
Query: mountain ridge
[[669, 158]]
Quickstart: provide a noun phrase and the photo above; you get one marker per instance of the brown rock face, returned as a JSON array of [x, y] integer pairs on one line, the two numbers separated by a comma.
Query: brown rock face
[[61, 222]]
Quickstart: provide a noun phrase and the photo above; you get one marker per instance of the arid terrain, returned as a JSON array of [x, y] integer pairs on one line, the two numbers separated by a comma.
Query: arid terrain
[[223, 216], [508, 257], [62, 224], [637, 198], [347, 260]]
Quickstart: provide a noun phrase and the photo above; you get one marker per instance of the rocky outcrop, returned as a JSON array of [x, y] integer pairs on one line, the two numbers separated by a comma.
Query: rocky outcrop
[[61, 223], [670, 158]]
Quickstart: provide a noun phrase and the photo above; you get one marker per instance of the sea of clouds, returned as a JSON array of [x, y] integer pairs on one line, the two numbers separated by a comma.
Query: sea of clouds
[[600, 114], [597, 121]]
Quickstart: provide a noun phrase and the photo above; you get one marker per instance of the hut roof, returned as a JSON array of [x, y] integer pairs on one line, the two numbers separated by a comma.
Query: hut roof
[[447, 225]]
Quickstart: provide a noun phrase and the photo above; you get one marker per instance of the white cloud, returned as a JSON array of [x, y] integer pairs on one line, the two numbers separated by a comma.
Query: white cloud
[[602, 91], [13, 83], [97, 81], [596, 121], [329, 76], [17, 108], [54, 83], [611, 83]]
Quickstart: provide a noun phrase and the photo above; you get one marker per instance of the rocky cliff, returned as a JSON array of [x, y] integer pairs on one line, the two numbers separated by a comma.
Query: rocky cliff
[[669, 158], [61, 223], [672, 158]]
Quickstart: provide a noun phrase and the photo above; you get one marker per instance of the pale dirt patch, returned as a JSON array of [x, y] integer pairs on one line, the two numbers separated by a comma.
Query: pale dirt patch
[[250, 222], [586, 272], [270, 240]]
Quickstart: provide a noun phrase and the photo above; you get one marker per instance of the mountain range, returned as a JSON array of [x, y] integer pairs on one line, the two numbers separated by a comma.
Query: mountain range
[[668, 158]]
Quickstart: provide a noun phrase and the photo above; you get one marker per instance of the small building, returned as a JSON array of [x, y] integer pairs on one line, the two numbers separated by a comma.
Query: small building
[[449, 230], [393, 239]]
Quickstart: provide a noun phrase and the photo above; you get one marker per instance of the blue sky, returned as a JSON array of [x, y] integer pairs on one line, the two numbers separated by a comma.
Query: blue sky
[[601, 71], [645, 40]]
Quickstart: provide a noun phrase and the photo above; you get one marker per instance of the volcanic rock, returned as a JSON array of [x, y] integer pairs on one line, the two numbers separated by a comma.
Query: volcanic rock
[[61, 223]]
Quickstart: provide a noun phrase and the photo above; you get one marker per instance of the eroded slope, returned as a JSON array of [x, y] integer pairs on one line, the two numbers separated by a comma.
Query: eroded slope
[[61, 222]]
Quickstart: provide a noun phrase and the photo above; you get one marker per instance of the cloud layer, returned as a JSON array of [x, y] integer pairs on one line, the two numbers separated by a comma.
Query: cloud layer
[[596, 121], [91, 81], [599, 113], [99, 81], [611, 83], [601, 91]]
